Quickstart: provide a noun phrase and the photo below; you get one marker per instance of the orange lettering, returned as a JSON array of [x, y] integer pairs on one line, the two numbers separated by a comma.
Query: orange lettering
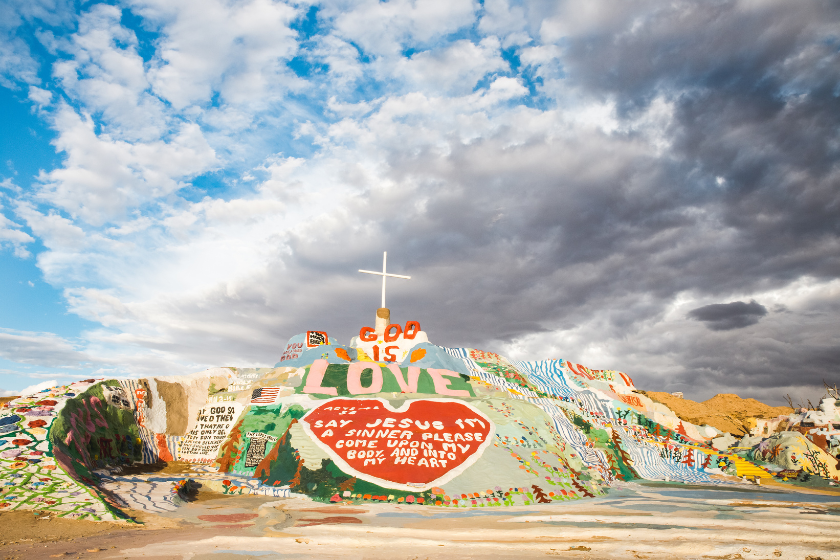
[[367, 334], [392, 337], [415, 328]]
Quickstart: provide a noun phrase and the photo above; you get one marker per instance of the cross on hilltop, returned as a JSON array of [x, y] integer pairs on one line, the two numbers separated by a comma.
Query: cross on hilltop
[[384, 274]]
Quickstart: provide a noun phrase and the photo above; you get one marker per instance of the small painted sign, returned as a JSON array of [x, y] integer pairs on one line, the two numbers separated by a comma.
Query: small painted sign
[[425, 443], [292, 351], [256, 449], [316, 338], [201, 444]]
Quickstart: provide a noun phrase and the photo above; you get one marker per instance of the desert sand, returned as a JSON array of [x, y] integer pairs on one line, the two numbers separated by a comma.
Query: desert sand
[[652, 520]]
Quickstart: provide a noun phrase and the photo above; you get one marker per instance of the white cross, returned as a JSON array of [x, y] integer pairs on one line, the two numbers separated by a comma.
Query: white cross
[[384, 274]]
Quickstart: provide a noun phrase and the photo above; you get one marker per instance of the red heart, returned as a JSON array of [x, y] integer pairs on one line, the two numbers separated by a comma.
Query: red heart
[[425, 443]]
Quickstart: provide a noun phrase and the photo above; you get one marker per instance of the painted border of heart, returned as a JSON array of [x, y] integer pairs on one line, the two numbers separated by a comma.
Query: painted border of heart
[[446, 477]]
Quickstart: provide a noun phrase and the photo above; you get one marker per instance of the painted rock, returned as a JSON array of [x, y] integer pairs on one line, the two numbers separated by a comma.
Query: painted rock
[[425, 443]]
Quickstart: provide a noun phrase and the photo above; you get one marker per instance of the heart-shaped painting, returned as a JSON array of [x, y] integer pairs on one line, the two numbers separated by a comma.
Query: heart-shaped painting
[[425, 443]]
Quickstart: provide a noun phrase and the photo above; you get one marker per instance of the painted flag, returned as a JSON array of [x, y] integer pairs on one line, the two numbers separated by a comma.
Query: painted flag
[[265, 395]]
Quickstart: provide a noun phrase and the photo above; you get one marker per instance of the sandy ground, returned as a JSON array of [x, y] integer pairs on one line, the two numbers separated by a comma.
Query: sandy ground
[[637, 520]]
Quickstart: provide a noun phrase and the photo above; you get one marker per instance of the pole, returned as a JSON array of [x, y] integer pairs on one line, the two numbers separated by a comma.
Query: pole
[[384, 272]]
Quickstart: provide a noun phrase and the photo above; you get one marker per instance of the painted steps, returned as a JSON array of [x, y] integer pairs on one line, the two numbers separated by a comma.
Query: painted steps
[[745, 468]]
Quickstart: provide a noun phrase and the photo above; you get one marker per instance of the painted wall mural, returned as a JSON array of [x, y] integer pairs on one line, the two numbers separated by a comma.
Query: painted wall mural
[[450, 427]]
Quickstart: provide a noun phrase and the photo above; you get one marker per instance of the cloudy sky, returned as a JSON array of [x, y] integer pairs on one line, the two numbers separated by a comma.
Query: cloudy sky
[[646, 186]]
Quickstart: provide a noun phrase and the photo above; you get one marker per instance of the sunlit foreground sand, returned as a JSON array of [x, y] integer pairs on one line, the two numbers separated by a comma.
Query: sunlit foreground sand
[[649, 520]]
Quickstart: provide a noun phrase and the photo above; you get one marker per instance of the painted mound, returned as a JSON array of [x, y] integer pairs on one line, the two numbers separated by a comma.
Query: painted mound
[[390, 417]]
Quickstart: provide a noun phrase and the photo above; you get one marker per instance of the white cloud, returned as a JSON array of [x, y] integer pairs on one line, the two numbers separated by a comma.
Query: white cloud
[[108, 76], [458, 67], [11, 235], [381, 28], [56, 231], [341, 57], [41, 97], [504, 20], [239, 50], [45, 349], [102, 178]]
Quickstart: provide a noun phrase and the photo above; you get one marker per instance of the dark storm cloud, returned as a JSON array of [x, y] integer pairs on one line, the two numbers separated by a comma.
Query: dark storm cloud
[[729, 316], [599, 233]]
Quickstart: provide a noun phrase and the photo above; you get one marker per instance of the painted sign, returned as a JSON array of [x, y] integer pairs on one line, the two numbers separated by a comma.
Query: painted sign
[[393, 344], [367, 378], [116, 396], [316, 338], [140, 404], [256, 450], [292, 351], [425, 443], [201, 444]]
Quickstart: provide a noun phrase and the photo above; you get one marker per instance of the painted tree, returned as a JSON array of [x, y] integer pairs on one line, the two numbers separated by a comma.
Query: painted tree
[[347, 485], [539, 495], [614, 465], [282, 464], [689, 459], [820, 467], [576, 483], [626, 461], [230, 448], [581, 488]]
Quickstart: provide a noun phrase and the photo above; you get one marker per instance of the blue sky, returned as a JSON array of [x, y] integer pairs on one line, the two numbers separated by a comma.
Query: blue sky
[[643, 186]]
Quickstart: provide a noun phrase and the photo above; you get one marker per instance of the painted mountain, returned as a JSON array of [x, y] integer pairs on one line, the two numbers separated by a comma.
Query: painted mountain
[[388, 417]]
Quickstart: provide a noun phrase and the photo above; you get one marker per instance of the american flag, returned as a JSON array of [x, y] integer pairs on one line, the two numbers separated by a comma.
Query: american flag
[[265, 395]]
